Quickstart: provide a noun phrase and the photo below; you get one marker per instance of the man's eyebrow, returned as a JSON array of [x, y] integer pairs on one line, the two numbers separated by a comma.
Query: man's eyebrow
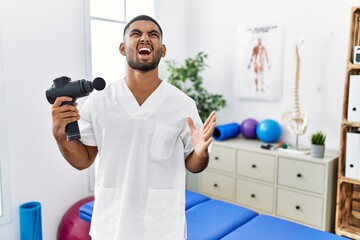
[[135, 30], [139, 31], [154, 31]]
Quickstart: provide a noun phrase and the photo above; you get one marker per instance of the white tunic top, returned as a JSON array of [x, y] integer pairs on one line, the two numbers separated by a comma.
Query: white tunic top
[[140, 181]]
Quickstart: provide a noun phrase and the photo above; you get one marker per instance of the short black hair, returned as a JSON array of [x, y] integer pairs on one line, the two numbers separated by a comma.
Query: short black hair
[[140, 18]]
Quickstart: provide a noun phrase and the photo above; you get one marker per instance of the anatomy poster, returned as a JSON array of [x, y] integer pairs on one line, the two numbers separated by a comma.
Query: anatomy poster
[[259, 62]]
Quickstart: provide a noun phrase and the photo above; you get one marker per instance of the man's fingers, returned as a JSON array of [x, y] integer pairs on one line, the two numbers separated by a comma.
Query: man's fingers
[[70, 115], [60, 100], [208, 120], [64, 111], [208, 142], [67, 120], [209, 131], [210, 124], [191, 125]]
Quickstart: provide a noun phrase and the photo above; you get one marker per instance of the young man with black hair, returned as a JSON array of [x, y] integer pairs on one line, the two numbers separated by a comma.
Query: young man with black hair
[[147, 133]]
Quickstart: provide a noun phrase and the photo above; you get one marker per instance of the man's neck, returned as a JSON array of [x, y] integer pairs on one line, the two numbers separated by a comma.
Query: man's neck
[[142, 84]]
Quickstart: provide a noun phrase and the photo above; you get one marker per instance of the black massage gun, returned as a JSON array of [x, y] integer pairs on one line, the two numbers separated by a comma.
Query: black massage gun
[[63, 86]]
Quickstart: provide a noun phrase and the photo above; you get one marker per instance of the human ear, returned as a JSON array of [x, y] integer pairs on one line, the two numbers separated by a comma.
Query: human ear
[[122, 49], [163, 50]]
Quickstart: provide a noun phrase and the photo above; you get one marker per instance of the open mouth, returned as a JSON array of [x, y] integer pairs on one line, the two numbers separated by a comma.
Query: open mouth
[[144, 51]]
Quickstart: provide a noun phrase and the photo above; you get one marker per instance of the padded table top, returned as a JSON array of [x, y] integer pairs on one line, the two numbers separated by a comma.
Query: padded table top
[[193, 198], [214, 219], [273, 228]]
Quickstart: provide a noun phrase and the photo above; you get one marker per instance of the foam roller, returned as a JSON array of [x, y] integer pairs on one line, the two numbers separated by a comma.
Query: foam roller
[[226, 131]]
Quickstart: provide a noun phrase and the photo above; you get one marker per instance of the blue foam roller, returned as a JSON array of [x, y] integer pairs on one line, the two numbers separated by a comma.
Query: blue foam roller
[[30, 221], [223, 132]]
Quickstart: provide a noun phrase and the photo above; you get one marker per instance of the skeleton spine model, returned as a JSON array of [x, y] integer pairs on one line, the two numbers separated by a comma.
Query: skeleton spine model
[[296, 120]]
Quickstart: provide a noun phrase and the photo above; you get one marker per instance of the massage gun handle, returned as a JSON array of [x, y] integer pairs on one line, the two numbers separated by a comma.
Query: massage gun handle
[[72, 129]]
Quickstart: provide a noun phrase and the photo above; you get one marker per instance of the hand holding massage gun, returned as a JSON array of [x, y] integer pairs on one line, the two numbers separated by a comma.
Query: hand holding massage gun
[[64, 87]]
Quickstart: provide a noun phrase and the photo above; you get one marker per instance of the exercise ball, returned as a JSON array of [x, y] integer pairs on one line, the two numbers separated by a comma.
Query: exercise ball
[[248, 128], [268, 130], [72, 227]]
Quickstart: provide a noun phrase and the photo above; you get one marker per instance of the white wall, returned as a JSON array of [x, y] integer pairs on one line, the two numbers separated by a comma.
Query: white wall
[[41, 40], [210, 26]]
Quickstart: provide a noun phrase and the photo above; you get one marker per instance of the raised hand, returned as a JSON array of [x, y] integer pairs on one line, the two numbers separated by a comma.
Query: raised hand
[[201, 137]]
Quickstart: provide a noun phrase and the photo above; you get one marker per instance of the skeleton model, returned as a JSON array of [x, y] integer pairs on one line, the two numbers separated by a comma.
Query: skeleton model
[[296, 120]]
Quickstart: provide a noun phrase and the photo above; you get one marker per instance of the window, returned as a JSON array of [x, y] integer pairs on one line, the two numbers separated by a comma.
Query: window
[[4, 171], [105, 22]]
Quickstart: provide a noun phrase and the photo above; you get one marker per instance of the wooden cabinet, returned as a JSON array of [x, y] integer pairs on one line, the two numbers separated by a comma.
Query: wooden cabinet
[[348, 188], [292, 186]]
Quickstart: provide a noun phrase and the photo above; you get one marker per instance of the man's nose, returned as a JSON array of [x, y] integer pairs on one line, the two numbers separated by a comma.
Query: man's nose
[[144, 37]]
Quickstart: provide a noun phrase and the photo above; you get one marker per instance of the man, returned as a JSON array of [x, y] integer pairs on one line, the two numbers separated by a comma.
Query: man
[[259, 55], [147, 133]]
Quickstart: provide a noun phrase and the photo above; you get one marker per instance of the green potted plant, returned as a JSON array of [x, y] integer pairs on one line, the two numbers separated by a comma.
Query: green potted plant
[[317, 147], [187, 78]]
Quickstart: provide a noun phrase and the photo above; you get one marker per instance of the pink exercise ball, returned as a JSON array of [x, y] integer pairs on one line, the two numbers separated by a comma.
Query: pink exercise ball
[[248, 128], [72, 227]]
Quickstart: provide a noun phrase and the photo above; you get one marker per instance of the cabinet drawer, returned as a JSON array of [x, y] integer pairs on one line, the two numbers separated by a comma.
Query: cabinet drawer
[[302, 175], [255, 165], [217, 185], [255, 195], [299, 207], [222, 158]]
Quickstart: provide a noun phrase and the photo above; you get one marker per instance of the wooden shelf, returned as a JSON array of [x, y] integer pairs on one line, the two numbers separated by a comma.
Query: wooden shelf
[[350, 124], [352, 67], [342, 179], [348, 232], [347, 219]]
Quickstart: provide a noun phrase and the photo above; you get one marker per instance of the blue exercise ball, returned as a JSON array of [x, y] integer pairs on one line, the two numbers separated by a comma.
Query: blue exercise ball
[[268, 130]]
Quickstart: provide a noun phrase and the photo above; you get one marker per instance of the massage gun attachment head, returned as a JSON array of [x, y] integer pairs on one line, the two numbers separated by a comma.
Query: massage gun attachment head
[[99, 84], [63, 86]]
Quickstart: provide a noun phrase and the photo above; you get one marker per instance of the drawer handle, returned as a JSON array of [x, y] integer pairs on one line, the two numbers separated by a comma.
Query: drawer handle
[[253, 166], [215, 185], [253, 195], [297, 207], [216, 158], [299, 175]]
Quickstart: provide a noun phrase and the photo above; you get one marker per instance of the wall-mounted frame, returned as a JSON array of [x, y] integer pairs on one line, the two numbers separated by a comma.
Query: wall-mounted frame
[[259, 62]]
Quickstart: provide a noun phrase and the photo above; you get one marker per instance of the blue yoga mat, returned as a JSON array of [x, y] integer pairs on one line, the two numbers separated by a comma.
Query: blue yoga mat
[[223, 132], [30, 221]]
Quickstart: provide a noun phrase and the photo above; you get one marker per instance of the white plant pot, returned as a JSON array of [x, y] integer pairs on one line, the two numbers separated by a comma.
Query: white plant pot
[[317, 151]]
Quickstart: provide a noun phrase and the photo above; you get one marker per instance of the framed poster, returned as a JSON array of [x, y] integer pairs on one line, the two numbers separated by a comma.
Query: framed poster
[[259, 62]]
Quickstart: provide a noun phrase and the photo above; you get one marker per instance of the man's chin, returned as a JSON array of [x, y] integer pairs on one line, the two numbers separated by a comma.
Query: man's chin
[[147, 66]]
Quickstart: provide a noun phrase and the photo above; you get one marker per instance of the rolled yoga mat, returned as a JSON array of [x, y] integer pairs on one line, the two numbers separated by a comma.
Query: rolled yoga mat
[[226, 131], [30, 221]]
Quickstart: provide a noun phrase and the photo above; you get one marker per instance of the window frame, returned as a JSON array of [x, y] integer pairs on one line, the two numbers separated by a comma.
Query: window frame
[[5, 216], [88, 67]]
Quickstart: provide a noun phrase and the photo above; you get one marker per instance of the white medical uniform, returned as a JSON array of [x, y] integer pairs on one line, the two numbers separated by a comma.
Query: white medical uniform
[[140, 181]]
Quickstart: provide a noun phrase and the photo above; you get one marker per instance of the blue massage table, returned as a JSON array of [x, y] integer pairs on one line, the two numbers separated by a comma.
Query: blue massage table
[[210, 219]]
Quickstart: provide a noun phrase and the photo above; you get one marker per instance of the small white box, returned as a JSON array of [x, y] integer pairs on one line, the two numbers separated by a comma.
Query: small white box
[[354, 99], [356, 58]]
